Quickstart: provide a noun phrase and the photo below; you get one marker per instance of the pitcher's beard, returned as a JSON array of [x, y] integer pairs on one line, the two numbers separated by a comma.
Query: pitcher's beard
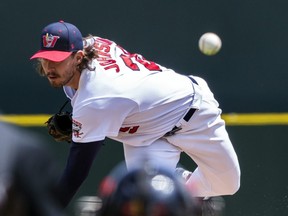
[[55, 84]]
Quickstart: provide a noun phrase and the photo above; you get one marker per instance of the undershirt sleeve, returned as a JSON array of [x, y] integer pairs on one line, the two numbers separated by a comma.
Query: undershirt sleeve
[[79, 162]]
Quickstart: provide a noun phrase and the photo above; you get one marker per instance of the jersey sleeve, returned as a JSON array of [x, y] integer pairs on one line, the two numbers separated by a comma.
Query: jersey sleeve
[[100, 118]]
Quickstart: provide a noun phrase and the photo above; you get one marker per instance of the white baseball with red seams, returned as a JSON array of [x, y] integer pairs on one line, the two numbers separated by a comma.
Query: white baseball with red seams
[[135, 101], [210, 43]]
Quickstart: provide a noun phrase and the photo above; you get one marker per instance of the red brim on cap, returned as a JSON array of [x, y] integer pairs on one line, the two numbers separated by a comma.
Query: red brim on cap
[[54, 55]]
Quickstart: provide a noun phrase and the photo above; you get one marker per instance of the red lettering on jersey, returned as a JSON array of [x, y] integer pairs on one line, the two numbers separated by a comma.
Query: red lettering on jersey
[[133, 129], [109, 63], [152, 66], [129, 63], [100, 53], [124, 129], [117, 69], [104, 57], [132, 61], [128, 60], [130, 130], [106, 61], [102, 47]]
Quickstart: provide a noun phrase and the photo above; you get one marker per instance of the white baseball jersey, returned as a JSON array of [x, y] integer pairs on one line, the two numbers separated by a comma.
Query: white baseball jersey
[[127, 98]]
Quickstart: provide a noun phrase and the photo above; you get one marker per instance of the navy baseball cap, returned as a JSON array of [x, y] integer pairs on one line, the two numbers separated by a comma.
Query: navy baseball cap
[[58, 41]]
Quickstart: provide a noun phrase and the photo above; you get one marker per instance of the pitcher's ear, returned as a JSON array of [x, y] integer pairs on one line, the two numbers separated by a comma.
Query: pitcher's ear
[[79, 56]]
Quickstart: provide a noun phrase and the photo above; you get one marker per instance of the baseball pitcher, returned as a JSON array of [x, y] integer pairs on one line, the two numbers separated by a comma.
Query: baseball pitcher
[[154, 111]]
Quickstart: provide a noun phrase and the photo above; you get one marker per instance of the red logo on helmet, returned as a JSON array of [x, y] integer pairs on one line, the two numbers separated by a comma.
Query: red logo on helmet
[[49, 40]]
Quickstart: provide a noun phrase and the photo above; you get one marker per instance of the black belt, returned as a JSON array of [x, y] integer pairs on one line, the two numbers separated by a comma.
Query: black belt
[[186, 117]]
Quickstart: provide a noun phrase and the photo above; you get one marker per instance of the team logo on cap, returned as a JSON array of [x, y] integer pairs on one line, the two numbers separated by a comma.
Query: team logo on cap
[[49, 40]]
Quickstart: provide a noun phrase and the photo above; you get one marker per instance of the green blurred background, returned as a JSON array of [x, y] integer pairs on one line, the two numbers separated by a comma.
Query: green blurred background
[[249, 75]]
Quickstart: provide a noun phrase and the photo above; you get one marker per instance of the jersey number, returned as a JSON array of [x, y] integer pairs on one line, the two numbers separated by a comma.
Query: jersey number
[[129, 130], [151, 66]]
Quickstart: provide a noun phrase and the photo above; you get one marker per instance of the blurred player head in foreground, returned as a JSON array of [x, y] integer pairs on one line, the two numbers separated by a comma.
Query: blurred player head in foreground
[[27, 175], [145, 191]]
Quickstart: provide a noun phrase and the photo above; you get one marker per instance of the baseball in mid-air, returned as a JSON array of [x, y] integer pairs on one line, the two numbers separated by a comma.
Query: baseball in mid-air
[[210, 43]]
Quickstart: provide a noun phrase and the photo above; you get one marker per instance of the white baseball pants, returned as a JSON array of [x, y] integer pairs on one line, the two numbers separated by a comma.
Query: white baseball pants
[[205, 139]]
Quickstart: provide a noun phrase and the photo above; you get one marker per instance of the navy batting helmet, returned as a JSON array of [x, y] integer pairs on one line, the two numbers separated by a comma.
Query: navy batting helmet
[[144, 192]]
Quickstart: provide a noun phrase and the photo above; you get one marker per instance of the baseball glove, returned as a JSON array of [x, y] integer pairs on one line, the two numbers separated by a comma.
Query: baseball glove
[[60, 125]]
